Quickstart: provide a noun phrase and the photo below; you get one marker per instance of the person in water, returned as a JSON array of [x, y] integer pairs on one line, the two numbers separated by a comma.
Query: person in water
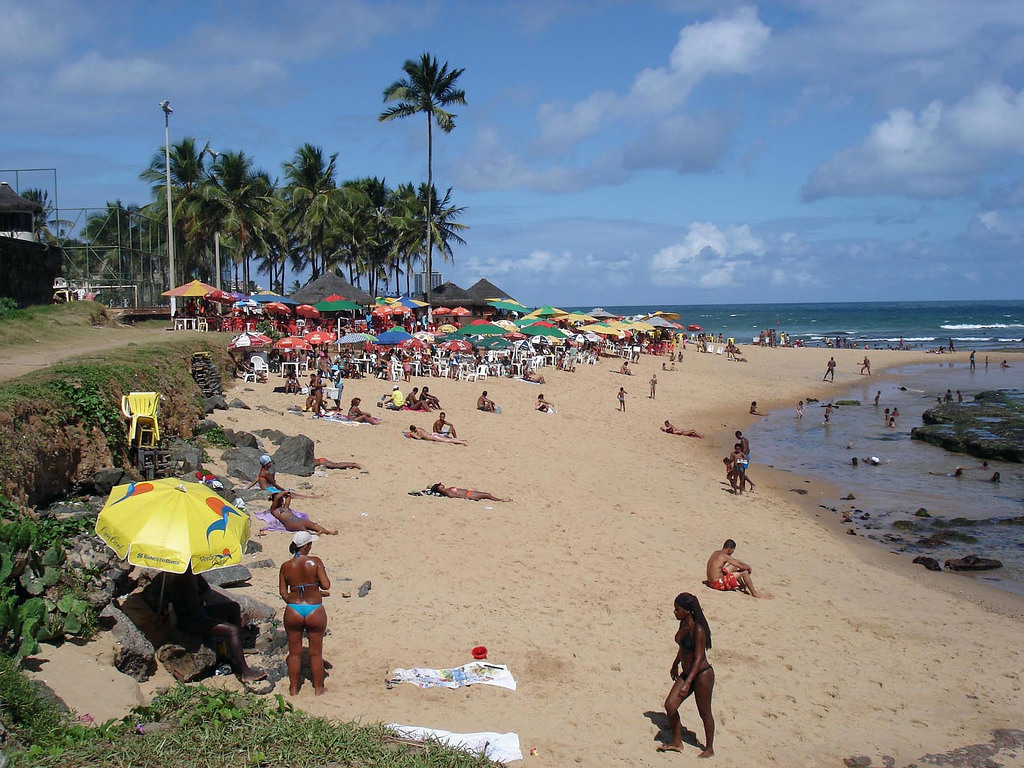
[[691, 673], [303, 583]]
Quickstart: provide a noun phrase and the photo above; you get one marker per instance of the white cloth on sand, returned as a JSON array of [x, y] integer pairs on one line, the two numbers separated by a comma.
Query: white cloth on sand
[[477, 672], [500, 747]]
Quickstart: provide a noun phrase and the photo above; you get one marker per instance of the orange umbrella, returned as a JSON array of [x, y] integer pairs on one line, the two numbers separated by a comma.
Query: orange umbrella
[[334, 297], [442, 311], [292, 342], [195, 289], [461, 312], [305, 310], [276, 308], [319, 337]]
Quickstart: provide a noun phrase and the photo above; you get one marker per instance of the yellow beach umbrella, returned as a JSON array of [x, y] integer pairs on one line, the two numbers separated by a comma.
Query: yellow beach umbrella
[[447, 328], [579, 317], [195, 289], [640, 325], [167, 524], [508, 325]]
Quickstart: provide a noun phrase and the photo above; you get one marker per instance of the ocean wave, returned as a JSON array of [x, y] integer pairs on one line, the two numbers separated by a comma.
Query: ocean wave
[[908, 339], [979, 327], [972, 338]]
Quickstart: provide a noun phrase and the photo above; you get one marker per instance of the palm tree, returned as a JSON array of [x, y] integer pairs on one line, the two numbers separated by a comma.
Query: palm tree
[[408, 222], [427, 89], [310, 197], [443, 227]]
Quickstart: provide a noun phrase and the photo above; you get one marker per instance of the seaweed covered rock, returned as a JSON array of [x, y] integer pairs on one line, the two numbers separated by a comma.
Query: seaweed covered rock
[[990, 427]]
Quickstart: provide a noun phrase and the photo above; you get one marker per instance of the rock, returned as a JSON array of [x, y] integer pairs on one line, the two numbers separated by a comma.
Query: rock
[[240, 439], [295, 456], [252, 548], [801, 491], [103, 482], [859, 761], [251, 494], [851, 532], [271, 639], [265, 563], [922, 512], [847, 402], [187, 666], [231, 576], [205, 425], [848, 497], [265, 409], [190, 456], [908, 525], [239, 403], [133, 653], [973, 563], [990, 427], [215, 402], [928, 562], [275, 436], [243, 463], [364, 588], [932, 542], [253, 610]]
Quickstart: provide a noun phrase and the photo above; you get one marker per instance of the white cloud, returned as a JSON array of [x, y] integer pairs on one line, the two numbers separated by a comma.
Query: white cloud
[[727, 45], [97, 74], [538, 263], [708, 256], [936, 153], [37, 31]]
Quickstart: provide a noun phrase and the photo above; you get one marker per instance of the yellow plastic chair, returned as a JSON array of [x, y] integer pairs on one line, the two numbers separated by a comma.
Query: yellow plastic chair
[[142, 409]]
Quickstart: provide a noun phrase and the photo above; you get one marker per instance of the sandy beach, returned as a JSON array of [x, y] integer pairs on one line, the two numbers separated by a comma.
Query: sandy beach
[[571, 585]]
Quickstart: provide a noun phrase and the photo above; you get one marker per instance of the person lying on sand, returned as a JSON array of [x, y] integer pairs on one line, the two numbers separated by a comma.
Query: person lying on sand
[[328, 464], [671, 430], [727, 574], [533, 376], [418, 433], [463, 493]]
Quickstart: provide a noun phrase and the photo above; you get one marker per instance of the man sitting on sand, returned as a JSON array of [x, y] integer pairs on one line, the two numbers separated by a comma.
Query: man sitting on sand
[[484, 403], [444, 427], [727, 574], [624, 370], [395, 401], [671, 430]]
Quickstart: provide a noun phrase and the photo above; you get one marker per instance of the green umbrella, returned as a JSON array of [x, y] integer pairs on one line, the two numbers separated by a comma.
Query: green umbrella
[[541, 330], [548, 311], [493, 342], [337, 306], [483, 329], [507, 304]]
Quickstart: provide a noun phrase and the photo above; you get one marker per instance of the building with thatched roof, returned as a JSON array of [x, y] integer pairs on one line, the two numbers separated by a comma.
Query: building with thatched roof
[[328, 285], [483, 290], [17, 214], [449, 295]]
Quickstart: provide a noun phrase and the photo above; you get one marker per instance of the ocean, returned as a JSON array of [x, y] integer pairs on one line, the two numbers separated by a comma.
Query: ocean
[[911, 475], [921, 324]]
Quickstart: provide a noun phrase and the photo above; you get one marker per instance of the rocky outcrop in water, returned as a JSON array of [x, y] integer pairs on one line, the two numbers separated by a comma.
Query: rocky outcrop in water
[[990, 427]]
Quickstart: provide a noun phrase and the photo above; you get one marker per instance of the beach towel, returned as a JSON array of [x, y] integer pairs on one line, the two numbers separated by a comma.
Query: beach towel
[[477, 672], [500, 747], [339, 418], [271, 523]]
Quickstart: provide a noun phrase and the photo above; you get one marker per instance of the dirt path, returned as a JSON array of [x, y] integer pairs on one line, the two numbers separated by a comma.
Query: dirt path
[[22, 359]]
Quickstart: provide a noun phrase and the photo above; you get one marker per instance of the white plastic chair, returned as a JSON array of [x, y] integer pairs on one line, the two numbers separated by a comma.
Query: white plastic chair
[[479, 373], [260, 369], [396, 370]]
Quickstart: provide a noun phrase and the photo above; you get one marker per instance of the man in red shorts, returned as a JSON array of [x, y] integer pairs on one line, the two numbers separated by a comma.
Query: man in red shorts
[[727, 574]]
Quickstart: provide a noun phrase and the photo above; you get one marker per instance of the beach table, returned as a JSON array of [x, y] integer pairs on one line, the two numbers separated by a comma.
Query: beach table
[[289, 365], [184, 323]]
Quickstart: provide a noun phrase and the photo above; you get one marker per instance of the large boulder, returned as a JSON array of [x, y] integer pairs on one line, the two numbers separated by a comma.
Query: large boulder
[[273, 435], [231, 576], [989, 427], [239, 403], [103, 482], [215, 402], [188, 662], [190, 456], [295, 456], [973, 563], [253, 610], [240, 438], [243, 463], [133, 652]]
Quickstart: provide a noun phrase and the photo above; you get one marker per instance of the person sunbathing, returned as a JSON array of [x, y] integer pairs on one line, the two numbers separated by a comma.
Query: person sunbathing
[[328, 464], [543, 405], [418, 433], [533, 376], [463, 493], [355, 413], [671, 430]]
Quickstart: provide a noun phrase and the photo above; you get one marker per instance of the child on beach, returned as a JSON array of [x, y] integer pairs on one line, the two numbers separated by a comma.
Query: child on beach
[[654, 383], [800, 409], [622, 399]]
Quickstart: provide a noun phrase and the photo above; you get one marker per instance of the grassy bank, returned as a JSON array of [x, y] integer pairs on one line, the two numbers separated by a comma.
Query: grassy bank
[[62, 423], [189, 727], [55, 322]]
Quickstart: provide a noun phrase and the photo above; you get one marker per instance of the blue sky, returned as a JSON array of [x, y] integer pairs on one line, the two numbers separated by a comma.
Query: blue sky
[[681, 151]]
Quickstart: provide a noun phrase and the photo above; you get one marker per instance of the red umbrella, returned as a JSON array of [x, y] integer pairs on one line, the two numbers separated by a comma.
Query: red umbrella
[[335, 297], [515, 336], [249, 339], [292, 342], [457, 345], [442, 311], [319, 337], [276, 308], [413, 344], [694, 328], [221, 297], [305, 310], [460, 312]]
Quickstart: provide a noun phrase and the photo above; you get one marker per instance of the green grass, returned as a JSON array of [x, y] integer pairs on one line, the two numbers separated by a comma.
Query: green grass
[[50, 322], [196, 727]]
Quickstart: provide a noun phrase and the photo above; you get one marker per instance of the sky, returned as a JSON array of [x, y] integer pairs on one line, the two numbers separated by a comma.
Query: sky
[[617, 153]]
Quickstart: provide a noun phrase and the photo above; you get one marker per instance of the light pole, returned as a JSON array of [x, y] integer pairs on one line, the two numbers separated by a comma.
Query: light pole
[[166, 107]]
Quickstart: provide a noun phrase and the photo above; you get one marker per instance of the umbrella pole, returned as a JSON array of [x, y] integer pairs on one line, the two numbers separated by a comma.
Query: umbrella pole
[[160, 605]]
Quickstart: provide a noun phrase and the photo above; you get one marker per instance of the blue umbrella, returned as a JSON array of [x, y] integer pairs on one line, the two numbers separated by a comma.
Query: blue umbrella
[[394, 336]]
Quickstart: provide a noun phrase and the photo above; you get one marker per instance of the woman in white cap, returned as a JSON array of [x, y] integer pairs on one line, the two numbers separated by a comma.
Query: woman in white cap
[[302, 583], [281, 500]]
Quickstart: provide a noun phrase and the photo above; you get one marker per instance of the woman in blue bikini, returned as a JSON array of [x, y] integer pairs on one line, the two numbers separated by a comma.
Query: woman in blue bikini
[[303, 582]]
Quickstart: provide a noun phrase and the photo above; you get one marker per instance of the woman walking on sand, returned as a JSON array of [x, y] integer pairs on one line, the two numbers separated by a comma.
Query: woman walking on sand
[[302, 584], [692, 673]]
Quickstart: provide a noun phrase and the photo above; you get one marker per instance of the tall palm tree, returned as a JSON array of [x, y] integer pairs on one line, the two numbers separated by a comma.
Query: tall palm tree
[[427, 89], [408, 222], [310, 197], [442, 225]]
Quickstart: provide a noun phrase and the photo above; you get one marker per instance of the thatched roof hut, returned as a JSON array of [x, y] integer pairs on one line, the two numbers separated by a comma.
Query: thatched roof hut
[[328, 285], [449, 295], [483, 289], [16, 213]]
